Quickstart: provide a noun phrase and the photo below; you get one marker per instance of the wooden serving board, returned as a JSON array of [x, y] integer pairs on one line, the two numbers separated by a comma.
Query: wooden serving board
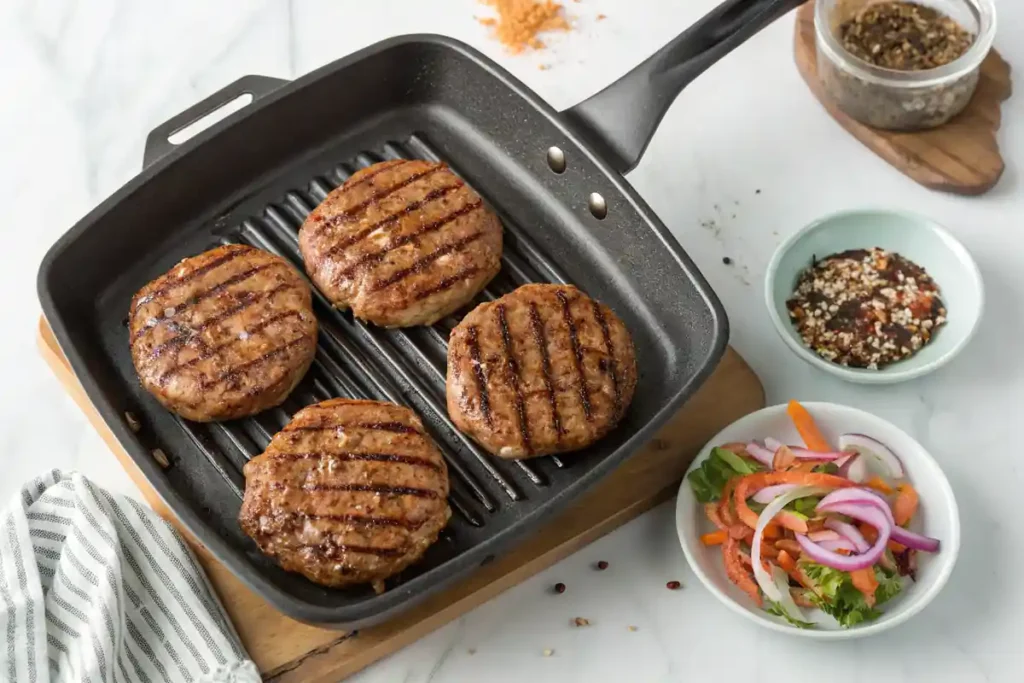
[[961, 156], [287, 651]]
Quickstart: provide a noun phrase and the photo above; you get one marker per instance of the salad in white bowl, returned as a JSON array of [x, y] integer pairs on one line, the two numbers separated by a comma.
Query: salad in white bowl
[[819, 519]]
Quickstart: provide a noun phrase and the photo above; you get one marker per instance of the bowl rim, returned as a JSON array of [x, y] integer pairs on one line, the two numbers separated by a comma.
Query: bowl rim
[[916, 601], [893, 373]]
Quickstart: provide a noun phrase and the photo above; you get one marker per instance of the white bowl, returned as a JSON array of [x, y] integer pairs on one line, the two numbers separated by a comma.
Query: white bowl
[[937, 517], [915, 237]]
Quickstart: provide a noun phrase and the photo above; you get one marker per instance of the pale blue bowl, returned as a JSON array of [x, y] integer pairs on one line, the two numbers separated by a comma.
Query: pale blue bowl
[[919, 239]]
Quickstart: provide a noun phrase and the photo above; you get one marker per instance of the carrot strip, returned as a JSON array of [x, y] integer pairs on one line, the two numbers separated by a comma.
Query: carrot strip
[[804, 424], [748, 484], [869, 532], [865, 581], [785, 545], [736, 572], [878, 484], [714, 538], [786, 561], [905, 507], [725, 504], [771, 531]]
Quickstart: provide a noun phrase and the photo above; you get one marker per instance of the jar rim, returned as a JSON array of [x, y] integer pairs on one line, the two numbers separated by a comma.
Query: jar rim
[[965, 63]]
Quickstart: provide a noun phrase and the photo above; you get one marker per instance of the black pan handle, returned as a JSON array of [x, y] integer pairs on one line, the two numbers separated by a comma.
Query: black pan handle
[[620, 120], [157, 144]]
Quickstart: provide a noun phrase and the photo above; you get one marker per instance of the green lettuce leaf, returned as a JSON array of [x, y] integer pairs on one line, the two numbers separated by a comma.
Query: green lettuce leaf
[[776, 609], [708, 480], [837, 596]]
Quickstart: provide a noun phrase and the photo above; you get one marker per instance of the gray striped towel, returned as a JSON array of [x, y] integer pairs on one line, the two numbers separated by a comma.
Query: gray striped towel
[[97, 588]]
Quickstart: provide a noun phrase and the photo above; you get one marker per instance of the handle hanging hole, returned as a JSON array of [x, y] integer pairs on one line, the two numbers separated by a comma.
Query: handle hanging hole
[[210, 118]]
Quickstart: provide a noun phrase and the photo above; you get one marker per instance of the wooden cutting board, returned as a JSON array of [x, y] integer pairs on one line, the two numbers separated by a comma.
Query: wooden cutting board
[[287, 651], [961, 156]]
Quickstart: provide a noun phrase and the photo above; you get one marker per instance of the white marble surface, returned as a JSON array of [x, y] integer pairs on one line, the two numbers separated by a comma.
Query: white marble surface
[[82, 82]]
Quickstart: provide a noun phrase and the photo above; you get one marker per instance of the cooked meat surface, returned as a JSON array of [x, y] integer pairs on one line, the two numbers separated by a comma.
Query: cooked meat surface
[[544, 369], [224, 334], [401, 243], [348, 492]]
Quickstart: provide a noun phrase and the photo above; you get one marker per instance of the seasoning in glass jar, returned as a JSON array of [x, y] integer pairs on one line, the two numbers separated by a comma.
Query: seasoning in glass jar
[[904, 36]]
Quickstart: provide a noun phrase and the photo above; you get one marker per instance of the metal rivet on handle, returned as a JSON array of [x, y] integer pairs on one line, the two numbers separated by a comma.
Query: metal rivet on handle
[[556, 159], [598, 207]]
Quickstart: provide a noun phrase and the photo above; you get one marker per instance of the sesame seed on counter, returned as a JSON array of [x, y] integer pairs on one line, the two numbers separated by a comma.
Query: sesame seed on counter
[[866, 308]]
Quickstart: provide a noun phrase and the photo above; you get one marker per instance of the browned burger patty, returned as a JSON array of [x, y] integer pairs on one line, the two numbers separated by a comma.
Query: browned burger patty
[[544, 369], [224, 334], [401, 243], [348, 492]]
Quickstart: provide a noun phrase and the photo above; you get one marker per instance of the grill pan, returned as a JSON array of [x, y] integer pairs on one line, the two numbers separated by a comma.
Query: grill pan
[[253, 177]]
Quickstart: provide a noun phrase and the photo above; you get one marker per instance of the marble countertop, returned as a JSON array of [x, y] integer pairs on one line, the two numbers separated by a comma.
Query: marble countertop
[[744, 158]]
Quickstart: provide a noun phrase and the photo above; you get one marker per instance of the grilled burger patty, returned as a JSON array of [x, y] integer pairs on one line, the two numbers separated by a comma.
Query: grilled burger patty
[[544, 369], [224, 334], [348, 492], [401, 243]]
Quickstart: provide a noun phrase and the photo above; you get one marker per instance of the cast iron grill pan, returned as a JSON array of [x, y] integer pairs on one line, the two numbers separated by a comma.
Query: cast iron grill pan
[[254, 177]]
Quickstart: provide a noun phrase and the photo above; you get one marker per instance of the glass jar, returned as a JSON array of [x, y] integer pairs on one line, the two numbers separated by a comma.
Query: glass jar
[[901, 100]]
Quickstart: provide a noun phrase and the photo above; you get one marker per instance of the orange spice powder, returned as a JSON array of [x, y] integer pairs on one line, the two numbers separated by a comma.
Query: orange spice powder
[[519, 22]]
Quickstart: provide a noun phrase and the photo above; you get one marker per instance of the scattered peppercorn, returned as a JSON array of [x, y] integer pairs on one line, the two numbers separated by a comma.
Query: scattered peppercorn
[[602, 565], [726, 260], [673, 585], [580, 621], [904, 36], [866, 308], [757, 191], [559, 587]]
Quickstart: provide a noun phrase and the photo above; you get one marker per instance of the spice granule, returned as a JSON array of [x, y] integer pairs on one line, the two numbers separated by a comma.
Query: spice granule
[[520, 21], [904, 36]]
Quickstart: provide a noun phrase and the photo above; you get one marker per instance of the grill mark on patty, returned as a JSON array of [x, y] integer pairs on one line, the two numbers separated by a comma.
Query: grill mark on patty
[[421, 263], [235, 372], [362, 520], [245, 301], [512, 366], [378, 256], [392, 218], [395, 427], [542, 345], [202, 296], [210, 352], [331, 550], [362, 488], [381, 194], [350, 456], [447, 282], [381, 167], [610, 349], [577, 353], [188, 277], [478, 373]]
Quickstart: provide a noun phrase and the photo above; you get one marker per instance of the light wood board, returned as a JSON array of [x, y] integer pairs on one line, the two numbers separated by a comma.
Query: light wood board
[[287, 651], [961, 156]]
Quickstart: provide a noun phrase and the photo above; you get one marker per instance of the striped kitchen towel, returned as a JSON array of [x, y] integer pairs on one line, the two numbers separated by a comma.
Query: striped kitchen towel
[[97, 588]]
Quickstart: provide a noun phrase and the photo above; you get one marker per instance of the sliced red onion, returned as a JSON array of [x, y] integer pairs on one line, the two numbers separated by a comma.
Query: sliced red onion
[[856, 496], [760, 453], [915, 541], [823, 535], [854, 468], [850, 533], [866, 445], [807, 454], [848, 563], [770, 493], [839, 544], [764, 580]]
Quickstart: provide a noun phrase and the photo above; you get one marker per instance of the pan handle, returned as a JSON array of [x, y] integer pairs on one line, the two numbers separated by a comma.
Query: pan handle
[[157, 142], [620, 120]]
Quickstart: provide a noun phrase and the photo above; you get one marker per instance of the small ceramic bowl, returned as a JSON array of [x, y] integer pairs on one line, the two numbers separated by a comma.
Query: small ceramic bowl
[[915, 237], [938, 517]]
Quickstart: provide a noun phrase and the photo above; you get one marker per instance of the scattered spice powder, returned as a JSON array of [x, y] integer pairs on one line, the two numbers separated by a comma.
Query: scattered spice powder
[[726, 260], [904, 36], [866, 308], [580, 621], [519, 22], [548, 652], [633, 628]]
